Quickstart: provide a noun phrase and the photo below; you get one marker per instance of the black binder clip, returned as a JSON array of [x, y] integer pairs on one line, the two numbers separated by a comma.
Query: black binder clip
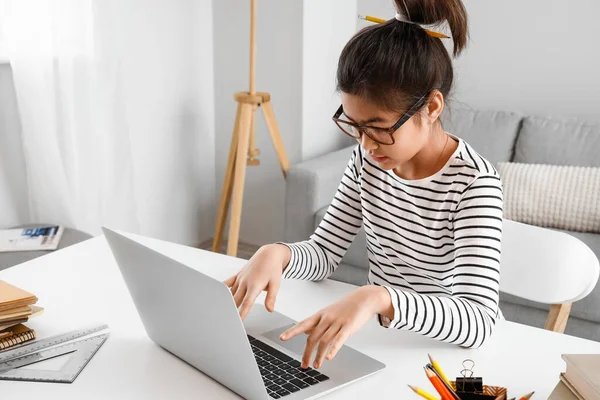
[[468, 383]]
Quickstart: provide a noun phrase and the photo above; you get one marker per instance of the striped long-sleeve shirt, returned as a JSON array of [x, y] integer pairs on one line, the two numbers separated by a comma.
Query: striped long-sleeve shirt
[[433, 243]]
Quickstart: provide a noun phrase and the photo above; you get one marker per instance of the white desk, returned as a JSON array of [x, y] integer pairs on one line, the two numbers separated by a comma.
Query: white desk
[[81, 285]]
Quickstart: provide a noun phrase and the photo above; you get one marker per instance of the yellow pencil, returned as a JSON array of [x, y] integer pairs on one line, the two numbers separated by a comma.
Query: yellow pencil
[[438, 369], [423, 393], [379, 21], [437, 34], [371, 19]]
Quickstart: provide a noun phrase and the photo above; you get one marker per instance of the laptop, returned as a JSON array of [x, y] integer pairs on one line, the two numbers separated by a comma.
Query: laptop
[[194, 317]]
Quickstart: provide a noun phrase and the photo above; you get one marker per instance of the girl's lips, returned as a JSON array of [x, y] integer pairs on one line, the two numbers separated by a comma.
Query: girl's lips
[[378, 159]]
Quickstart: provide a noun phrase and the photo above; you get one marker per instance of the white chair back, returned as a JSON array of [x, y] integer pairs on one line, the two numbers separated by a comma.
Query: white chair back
[[547, 267]]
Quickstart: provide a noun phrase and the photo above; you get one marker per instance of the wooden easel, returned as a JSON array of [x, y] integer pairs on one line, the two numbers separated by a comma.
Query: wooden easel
[[242, 150]]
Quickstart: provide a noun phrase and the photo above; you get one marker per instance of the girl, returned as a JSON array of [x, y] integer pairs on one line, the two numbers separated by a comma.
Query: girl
[[431, 206]]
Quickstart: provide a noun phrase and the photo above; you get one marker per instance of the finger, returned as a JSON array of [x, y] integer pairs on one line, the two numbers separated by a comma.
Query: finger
[[301, 327], [231, 280], [272, 290], [339, 340], [235, 287], [312, 341], [248, 302], [239, 296], [324, 344]]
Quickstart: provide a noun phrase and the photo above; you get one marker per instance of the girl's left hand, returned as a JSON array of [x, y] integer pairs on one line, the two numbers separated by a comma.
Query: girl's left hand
[[333, 325]]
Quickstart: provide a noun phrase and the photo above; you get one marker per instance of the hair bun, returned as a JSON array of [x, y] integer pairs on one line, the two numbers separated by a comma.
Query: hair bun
[[436, 12]]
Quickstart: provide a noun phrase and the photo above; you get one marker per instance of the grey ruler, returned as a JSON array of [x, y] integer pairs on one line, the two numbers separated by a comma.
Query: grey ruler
[[81, 345]]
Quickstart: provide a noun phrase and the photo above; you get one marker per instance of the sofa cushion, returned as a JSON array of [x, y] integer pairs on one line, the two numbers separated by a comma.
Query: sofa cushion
[[552, 196], [357, 253], [547, 141], [586, 308], [491, 133]]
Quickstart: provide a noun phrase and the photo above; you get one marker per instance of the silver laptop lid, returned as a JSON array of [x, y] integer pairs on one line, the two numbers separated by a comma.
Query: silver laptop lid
[[189, 314]]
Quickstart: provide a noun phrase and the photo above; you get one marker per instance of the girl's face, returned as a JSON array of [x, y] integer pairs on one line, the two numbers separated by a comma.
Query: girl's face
[[409, 139]]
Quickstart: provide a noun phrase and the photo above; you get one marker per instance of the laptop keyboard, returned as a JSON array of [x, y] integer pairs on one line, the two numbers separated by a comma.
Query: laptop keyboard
[[282, 374]]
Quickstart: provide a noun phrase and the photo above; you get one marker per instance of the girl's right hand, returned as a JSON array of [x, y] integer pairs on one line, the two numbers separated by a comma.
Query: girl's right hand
[[262, 272]]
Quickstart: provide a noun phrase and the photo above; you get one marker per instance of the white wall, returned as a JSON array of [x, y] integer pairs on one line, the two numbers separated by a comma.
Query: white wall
[[535, 57], [327, 27], [279, 72]]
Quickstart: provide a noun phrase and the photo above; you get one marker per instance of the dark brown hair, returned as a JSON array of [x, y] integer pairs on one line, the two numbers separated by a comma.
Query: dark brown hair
[[393, 64]]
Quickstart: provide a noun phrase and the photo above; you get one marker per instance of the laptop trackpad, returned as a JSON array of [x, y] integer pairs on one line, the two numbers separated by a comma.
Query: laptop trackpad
[[295, 344]]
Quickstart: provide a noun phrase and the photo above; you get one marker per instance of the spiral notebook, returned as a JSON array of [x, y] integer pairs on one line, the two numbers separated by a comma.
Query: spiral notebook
[[19, 334]]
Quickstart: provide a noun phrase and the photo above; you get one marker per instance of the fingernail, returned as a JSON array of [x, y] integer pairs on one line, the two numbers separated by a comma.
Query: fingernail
[[283, 336]]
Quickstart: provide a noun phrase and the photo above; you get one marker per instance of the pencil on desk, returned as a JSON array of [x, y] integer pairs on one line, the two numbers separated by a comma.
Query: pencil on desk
[[437, 367], [438, 385], [527, 396], [423, 393]]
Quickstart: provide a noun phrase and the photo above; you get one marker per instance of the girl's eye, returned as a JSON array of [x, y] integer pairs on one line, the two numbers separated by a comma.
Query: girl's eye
[[376, 131]]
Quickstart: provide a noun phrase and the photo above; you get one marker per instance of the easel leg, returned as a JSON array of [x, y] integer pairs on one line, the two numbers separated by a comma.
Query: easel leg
[[227, 184], [239, 178], [276, 137]]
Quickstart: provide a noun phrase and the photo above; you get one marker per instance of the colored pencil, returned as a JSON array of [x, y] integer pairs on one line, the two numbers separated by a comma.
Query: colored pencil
[[423, 393], [371, 19], [380, 21], [437, 367], [438, 385]]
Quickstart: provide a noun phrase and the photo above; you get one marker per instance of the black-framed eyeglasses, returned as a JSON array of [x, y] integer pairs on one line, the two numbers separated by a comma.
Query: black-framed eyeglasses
[[379, 135]]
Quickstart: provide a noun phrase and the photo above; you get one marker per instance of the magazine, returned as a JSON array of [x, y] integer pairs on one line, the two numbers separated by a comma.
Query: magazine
[[43, 237]]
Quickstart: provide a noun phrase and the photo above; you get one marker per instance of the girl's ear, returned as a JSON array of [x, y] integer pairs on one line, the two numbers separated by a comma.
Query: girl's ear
[[435, 106]]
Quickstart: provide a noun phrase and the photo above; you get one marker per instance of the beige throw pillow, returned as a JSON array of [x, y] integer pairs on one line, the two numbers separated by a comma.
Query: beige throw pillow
[[561, 197]]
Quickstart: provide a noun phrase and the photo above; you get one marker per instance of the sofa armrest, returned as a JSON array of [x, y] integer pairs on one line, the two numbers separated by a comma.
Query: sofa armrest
[[311, 186]]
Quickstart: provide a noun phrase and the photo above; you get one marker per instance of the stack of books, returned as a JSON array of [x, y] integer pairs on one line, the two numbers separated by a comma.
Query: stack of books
[[16, 308], [581, 379]]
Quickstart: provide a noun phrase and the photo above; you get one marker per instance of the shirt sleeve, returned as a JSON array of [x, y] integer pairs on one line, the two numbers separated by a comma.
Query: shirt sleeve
[[317, 258], [467, 316]]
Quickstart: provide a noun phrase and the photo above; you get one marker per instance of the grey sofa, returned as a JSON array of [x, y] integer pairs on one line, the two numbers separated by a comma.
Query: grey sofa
[[498, 136]]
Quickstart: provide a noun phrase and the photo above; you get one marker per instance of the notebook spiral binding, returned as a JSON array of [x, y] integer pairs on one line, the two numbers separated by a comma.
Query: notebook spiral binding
[[19, 338]]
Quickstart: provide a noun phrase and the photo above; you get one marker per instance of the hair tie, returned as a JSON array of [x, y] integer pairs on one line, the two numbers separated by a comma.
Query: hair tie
[[401, 18]]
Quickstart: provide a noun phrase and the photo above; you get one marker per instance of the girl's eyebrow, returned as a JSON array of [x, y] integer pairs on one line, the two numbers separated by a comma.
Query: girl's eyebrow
[[368, 121]]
